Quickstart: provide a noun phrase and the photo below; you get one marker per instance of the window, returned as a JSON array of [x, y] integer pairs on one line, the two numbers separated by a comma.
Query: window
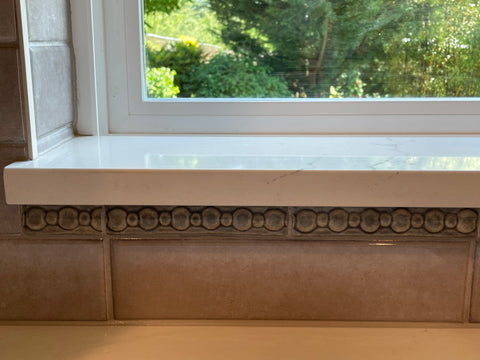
[[129, 111], [365, 171], [312, 48]]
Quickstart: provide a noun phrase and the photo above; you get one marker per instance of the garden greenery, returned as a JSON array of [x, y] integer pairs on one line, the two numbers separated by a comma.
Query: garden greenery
[[320, 48]]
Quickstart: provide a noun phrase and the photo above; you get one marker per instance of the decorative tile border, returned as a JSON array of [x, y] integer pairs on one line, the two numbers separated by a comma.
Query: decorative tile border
[[386, 221], [63, 220], [192, 219], [286, 222]]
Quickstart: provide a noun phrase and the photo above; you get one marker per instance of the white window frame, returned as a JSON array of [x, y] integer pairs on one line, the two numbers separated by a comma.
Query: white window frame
[[108, 41]]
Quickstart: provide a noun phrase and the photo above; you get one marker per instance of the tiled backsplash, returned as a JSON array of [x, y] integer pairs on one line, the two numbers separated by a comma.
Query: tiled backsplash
[[387, 264]]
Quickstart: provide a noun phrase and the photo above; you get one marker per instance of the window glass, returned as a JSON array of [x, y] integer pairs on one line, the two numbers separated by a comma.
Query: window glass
[[311, 48]]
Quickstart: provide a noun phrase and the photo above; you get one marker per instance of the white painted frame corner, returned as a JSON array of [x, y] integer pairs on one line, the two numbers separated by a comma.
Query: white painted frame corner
[[89, 54]]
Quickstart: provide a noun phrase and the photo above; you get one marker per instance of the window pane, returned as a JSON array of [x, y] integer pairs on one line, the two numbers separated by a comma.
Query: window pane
[[312, 48]]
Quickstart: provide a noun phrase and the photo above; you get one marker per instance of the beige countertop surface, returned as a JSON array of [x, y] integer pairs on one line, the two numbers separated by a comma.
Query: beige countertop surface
[[241, 340]]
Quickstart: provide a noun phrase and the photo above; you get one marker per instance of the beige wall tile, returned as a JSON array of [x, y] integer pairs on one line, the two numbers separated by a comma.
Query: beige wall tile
[[51, 280], [10, 111], [289, 280], [8, 32], [10, 215], [475, 305]]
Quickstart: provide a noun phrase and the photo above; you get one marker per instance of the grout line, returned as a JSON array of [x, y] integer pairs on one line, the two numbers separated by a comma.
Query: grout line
[[108, 278], [15, 145], [478, 224], [38, 44], [249, 323], [22, 210], [108, 267], [290, 222], [9, 45], [469, 281], [11, 236]]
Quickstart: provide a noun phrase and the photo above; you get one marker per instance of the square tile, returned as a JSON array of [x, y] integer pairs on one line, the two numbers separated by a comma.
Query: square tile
[[52, 280], [289, 280], [10, 106], [8, 31], [10, 215], [52, 87], [48, 20]]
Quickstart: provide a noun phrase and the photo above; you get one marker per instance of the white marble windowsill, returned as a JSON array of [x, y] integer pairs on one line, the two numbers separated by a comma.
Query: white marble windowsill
[[380, 171]]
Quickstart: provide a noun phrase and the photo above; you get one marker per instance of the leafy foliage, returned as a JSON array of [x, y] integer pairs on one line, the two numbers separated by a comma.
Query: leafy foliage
[[192, 18], [326, 48], [439, 57], [184, 57], [317, 42], [166, 6], [227, 76], [301, 38], [160, 83]]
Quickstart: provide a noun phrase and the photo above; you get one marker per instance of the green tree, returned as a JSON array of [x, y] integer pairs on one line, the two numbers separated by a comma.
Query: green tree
[[311, 41], [440, 55], [182, 56], [337, 48], [166, 6], [227, 76], [193, 18], [317, 44]]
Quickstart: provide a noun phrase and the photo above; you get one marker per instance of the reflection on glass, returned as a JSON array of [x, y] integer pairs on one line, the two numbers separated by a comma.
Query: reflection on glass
[[312, 48]]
